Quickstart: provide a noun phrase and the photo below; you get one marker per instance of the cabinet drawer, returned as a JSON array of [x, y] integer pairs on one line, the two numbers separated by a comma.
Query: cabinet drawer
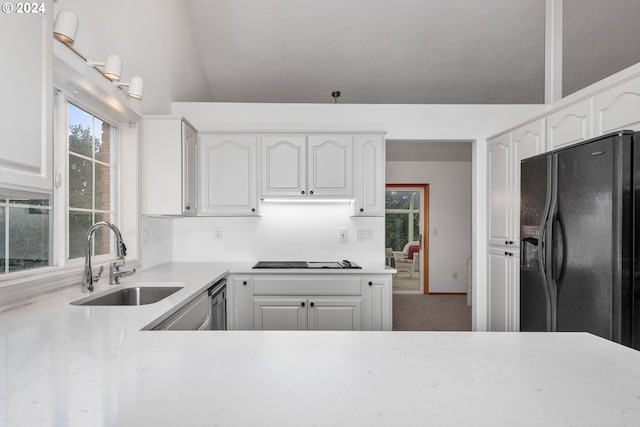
[[304, 285]]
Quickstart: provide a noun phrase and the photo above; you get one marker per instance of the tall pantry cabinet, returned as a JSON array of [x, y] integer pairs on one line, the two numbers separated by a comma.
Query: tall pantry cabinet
[[504, 154]]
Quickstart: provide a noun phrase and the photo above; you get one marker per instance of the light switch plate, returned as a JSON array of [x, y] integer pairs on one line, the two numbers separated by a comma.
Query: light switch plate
[[344, 235], [364, 234]]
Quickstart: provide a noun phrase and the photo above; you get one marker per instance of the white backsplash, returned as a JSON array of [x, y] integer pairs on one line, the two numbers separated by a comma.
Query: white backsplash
[[285, 231]]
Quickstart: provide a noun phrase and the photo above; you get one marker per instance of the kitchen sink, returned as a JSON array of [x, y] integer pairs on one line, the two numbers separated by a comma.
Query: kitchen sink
[[131, 295]]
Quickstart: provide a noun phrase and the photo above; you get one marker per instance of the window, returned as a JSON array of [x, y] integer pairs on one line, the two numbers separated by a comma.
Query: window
[[92, 180], [25, 230]]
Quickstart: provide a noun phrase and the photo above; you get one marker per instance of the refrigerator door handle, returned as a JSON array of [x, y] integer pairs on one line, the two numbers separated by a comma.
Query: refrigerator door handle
[[557, 250]]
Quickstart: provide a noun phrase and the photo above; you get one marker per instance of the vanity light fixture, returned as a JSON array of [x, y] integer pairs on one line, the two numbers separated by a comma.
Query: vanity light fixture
[[65, 29], [112, 66], [135, 87], [66, 26]]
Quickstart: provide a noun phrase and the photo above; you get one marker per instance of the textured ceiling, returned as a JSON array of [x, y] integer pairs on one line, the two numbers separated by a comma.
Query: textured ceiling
[[400, 51]]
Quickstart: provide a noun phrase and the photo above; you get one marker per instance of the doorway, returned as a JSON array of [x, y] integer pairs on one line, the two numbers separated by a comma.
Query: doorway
[[406, 243]]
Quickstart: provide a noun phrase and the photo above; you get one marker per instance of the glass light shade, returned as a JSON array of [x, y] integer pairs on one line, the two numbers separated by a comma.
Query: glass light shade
[[113, 67], [66, 26], [136, 86]]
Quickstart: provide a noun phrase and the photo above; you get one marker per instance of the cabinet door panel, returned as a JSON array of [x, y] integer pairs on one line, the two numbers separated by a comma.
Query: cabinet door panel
[[370, 181], [498, 282], [339, 314], [499, 151], [279, 314], [189, 170], [330, 169], [26, 160], [527, 141], [378, 304], [570, 125], [228, 175], [283, 165], [239, 303], [617, 108]]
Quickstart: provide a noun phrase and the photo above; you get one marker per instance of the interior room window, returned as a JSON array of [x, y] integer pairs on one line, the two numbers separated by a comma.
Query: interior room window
[[92, 180], [25, 230]]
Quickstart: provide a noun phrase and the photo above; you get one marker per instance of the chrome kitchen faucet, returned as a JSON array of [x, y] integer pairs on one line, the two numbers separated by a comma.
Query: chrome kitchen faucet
[[114, 271]]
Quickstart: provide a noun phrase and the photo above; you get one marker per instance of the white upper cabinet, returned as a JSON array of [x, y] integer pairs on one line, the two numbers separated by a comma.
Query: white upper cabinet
[[26, 135], [284, 165], [189, 169], [330, 165], [499, 203], [169, 166], [570, 125], [228, 175], [307, 166], [369, 175], [617, 108], [503, 164]]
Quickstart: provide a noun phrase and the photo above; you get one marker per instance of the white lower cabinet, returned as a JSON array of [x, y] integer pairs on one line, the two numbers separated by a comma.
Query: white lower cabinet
[[378, 294], [503, 289], [239, 302], [195, 316], [312, 313], [310, 302]]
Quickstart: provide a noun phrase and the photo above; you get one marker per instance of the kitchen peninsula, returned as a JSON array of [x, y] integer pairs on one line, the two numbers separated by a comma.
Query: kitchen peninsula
[[85, 366]]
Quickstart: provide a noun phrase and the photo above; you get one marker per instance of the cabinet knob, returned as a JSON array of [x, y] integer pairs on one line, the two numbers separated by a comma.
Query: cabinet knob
[[509, 253], [302, 192], [244, 282], [302, 304], [187, 208], [508, 242], [253, 209], [311, 192], [311, 304], [361, 209], [370, 283]]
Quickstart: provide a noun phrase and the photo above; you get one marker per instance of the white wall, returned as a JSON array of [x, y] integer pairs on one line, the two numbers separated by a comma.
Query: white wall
[[449, 213], [155, 41]]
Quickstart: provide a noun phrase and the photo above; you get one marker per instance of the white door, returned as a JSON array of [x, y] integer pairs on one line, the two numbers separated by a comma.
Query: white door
[[406, 216]]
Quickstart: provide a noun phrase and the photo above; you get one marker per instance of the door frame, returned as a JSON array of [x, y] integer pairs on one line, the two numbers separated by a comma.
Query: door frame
[[424, 233]]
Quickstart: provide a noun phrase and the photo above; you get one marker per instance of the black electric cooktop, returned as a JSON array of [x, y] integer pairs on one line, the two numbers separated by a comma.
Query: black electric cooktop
[[306, 264]]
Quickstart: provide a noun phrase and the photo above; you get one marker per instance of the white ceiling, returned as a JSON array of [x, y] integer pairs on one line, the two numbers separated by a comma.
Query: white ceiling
[[404, 51]]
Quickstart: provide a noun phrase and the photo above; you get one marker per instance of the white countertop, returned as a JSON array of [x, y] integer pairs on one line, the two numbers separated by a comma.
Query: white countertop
[[90, 366]]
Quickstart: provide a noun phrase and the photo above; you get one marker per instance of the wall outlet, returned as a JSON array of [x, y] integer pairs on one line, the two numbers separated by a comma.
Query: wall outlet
[[219, 233], [145, 236], [363, 234], [344, 235]]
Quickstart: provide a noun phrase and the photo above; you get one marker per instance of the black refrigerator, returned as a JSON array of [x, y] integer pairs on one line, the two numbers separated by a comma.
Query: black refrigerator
[[580, 251]]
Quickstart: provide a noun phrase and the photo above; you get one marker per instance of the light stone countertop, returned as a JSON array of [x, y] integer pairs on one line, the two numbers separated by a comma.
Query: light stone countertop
[[93, 366]]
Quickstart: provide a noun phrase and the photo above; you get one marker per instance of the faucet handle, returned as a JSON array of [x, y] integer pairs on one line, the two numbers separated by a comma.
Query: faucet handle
[[97, 276]]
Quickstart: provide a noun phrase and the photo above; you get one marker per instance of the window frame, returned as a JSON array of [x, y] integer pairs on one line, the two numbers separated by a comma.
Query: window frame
[[115, 192]]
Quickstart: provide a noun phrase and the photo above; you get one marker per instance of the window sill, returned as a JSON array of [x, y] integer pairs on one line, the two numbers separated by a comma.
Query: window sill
[[23, 289]]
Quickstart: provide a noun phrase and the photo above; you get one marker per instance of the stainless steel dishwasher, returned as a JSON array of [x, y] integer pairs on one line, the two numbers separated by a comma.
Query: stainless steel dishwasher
[[218, 305]]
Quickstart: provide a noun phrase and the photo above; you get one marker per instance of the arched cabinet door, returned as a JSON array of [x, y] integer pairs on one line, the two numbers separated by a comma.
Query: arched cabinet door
[[228, 175], [284, 165], [330, 165]]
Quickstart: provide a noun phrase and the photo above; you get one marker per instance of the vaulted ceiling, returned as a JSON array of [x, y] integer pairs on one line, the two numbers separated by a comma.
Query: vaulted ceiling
[[405, 51]]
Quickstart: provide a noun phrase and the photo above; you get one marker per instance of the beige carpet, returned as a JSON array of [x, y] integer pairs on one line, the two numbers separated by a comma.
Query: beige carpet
[[415, 312]]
